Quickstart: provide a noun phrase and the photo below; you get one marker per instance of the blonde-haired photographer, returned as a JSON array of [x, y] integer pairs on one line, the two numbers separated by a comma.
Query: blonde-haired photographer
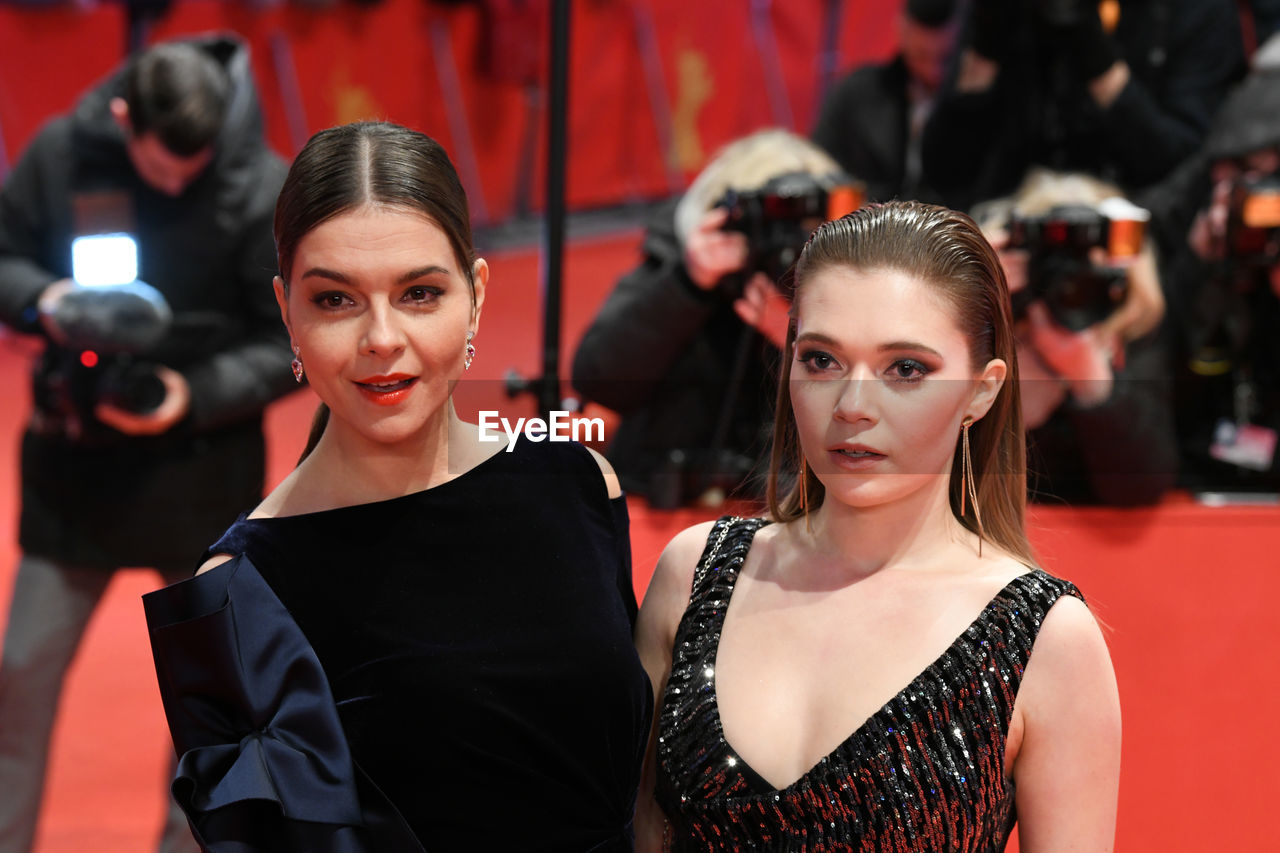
[[1096, 392]]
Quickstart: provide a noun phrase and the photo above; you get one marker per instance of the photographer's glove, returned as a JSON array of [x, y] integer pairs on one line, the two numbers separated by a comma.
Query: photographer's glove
[[1076, 30]]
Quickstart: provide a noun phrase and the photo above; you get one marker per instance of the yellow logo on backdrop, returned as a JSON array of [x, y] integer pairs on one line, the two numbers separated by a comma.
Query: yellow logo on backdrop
[[694, 87]]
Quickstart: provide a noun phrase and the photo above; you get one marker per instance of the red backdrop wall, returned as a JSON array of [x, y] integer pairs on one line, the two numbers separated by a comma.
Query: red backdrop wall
[[460, 72]]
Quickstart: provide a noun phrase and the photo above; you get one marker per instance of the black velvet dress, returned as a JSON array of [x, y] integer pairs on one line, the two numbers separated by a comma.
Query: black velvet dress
[[475, 640], [924, 773]]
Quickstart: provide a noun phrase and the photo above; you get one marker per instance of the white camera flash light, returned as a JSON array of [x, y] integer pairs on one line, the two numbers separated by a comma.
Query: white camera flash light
[[102, 259]]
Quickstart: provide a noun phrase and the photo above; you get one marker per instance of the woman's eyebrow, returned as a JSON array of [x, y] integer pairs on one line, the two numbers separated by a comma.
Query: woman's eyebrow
[[913, 346], [411, 275], [422, 272], [321, 272]]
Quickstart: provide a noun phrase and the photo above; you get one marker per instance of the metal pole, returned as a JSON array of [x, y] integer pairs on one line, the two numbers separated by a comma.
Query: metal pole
[[553, 247], [829, 59]]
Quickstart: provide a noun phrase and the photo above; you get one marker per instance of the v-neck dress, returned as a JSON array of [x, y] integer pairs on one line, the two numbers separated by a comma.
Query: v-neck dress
[[924, 773]]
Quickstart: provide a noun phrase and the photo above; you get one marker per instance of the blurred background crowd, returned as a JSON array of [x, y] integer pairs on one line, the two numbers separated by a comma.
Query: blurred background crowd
[[1122, 155]]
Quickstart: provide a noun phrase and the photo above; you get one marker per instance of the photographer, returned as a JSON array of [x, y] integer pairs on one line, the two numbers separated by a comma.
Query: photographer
[[1221, 222], [685, 346], [1094, 374], [872, 120], [168, 149], [1051, 83]]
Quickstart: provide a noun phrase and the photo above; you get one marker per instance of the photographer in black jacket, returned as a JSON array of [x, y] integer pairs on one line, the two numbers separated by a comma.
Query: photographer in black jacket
[[1220, 221], [1053, 83], [1097, 397], [169, 149], [872, 120], [685, 347]]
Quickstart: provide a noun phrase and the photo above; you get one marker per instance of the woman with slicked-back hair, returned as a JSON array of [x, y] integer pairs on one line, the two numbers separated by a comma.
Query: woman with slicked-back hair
[[881, 665], [421, 639]]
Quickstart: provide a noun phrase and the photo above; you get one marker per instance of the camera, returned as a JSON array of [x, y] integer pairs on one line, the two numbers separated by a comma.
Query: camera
[[110, 320], [778, 217], [1061, 272], [1253, 229]]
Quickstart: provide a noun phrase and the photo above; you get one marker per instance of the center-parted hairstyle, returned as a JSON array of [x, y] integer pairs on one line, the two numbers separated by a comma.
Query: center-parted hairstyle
[[946, 250], [370, 163], [346, 167]]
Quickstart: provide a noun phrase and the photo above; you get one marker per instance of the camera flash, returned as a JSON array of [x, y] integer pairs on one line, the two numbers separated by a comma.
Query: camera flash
[[102, 259]]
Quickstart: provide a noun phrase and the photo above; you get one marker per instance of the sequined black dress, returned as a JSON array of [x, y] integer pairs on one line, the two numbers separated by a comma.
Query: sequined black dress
[[924, 773], [475, 640]]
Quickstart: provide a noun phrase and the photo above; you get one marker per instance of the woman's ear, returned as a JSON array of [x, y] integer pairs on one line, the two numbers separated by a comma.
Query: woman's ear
[[480, 280], [987, 388], [282, 300]]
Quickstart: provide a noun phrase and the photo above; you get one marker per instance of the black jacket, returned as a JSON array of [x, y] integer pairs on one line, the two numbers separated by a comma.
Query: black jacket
[[94, 496], [1121, 452], [864, 124], [1182, 56], [662, 354]]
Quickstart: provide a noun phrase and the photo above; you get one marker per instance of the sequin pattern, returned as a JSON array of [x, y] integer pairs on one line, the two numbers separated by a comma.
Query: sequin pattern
[[924, 773]]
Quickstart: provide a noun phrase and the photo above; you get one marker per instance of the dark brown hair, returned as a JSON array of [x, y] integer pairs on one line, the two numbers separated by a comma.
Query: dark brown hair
[[945, 249], [178, 92], [343, 168]]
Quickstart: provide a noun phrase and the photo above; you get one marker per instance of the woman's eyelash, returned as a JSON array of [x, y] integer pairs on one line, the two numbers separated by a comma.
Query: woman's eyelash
[[424, 293], [918, 370], [330, 299], [816, 360]]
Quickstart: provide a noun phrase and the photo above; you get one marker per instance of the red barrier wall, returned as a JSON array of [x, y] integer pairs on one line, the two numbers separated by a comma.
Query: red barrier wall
[[454, 72]]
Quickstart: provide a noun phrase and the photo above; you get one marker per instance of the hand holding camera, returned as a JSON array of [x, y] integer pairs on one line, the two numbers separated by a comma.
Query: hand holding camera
[[172, 408], [1082, 288], [711, 253], [104, 320]]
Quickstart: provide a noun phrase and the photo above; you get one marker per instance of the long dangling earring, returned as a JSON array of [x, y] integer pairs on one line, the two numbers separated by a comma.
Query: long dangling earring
[[804, 492], [296, 364], [471, 352], [969, 487]]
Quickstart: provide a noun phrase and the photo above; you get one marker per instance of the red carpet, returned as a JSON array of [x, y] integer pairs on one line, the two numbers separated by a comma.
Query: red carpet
[[1184, 589]]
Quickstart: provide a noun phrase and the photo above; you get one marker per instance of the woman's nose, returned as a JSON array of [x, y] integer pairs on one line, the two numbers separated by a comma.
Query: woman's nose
[[382, 333], [858, 399]]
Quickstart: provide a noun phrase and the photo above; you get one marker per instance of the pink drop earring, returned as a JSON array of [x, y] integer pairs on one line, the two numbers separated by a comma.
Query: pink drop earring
[[471, 352], [296, 364]]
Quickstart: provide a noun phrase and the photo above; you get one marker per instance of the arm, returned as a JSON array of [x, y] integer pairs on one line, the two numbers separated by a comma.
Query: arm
[[25, 222], [1128, 442], [664, 603], [1067, 769], [644, 325], [1150, 134], [1120, 411], [241, 379], [622, 533]]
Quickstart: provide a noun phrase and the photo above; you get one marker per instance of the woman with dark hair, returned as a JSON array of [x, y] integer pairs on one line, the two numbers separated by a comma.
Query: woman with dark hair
[[419, 639], [896, 556]]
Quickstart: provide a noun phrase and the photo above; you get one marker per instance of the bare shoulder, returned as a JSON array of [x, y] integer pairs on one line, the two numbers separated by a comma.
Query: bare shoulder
[[1070, 632], [1070, 667], [213, 562], [680, 557], [1067, 767], [668, 594], [610, 478]]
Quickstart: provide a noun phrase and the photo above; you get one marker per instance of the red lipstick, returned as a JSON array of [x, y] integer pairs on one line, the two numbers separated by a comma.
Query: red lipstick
[[386, 390]]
